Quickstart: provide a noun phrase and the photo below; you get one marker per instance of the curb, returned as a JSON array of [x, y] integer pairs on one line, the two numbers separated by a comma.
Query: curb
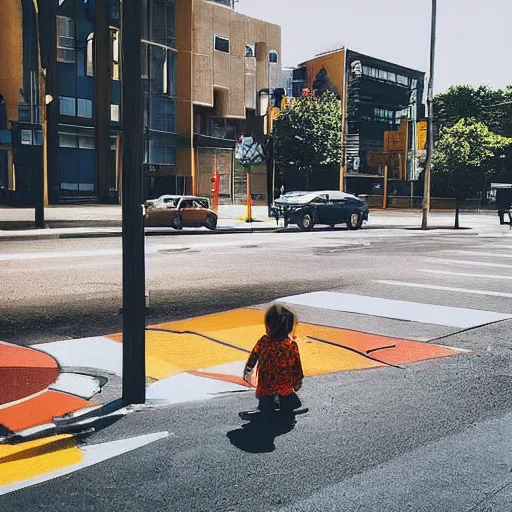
[[221, 231]]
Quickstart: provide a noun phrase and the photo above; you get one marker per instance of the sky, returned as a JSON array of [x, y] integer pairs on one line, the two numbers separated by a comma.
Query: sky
[[474, 37]]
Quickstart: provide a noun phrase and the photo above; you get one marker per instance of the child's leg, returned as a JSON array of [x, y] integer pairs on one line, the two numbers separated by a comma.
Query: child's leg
[[290, 402], [267, 404]]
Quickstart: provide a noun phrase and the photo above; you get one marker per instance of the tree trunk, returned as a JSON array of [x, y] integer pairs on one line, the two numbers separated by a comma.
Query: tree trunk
[[308, 174], [457, 210]]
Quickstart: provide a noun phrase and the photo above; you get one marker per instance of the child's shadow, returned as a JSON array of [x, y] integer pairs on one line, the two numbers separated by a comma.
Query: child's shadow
[[259, 434]]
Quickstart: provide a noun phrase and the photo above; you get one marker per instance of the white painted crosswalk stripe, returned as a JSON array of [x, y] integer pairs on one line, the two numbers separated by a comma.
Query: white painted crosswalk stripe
[[396, 309], [480, 254], [446, 261], [445, 288], [465, 274]]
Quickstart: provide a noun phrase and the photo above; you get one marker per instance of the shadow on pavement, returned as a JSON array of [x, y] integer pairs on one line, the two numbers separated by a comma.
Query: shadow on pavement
[[259, 434]]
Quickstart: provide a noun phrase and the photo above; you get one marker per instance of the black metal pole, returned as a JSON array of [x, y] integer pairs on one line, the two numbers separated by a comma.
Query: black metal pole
[[102, 99], [41, 192], [134, 364]]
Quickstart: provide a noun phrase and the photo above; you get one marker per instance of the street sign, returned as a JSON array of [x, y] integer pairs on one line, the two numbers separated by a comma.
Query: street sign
[[249, 152], [396, 140], [422, 128], [383, 158]]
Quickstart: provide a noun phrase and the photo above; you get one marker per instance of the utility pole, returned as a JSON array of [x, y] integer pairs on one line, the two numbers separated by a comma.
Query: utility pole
[[42, 188], [102, 98], [430, 103], [134, 363]]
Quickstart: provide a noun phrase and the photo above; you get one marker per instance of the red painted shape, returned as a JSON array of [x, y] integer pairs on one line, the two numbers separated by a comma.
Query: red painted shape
[[40, 410], [24, 372]]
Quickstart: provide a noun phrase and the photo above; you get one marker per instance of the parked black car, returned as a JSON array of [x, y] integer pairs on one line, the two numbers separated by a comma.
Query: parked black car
[[330, 207]]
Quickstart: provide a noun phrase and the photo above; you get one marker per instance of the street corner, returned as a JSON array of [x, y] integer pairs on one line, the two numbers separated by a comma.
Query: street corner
[[37, 388], [202, 357]]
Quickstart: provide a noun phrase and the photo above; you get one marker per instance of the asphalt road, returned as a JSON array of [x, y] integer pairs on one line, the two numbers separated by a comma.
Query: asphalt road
[[56, 289], [431, 436]]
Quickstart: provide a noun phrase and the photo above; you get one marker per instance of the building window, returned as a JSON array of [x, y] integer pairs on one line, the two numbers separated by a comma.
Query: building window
[[65, 40], [144, 60], [89, 61], [115, 113], [162, 22], [26, 137], [114, 9], [171, 73], [250, 50], [84, 108], [67, 106], [86, 142], [273, 57], [222, 44], [160, 153], [383, 114], [115, 54], [38, 138], [402, 79], [162, 114], [67, 140]]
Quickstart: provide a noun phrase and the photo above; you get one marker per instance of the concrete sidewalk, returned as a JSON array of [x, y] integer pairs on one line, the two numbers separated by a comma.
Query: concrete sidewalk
[[105, 221]]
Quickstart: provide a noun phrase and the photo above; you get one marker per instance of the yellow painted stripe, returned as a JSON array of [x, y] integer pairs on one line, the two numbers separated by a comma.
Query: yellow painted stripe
[[28, 460], [168, 354], [245, 326]]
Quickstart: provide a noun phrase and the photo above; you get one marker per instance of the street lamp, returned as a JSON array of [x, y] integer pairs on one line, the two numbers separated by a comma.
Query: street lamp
[[430, 103]]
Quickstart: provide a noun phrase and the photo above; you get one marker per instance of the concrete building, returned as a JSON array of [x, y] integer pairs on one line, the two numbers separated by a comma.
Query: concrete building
[[381, 102], [203, 67]]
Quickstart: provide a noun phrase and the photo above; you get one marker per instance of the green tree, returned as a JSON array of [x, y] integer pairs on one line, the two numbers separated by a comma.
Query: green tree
[[307, 135], [493, 107], [465, 155]]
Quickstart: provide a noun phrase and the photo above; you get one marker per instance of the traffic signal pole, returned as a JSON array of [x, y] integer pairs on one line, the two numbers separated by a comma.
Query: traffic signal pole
[[134, 364], [430, 102]]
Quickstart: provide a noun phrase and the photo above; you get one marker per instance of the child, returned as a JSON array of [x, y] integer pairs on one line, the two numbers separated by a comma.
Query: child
[[279, 366]]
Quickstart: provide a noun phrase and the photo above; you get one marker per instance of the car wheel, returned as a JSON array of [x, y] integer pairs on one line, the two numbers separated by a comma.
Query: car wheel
[[355, 221], [306, 221], [177, 223], [210, 222]]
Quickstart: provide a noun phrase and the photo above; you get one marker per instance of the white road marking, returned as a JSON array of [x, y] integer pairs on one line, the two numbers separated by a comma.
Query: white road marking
[[397, 309], [188, 388], [464, 274], [99, 353], [150, 249], [480, 254], [76, 384], [93, 454], [26, 256], [445, 288], [468, 263]]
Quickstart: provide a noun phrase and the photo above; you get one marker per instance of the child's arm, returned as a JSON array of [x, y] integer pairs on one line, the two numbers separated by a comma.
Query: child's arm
[[253, 359], [297, 373]]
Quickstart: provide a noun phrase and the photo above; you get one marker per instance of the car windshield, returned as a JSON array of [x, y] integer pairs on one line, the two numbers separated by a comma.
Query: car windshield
[[308, 197]]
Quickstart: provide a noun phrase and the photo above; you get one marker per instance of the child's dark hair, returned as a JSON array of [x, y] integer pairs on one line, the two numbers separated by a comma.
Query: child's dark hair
[[279, 321]]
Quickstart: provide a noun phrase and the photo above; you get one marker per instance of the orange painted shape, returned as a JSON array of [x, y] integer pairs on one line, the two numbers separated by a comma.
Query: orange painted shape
[[233, 379], [243, 327], [12, 356], [40, 410], [24, 372], [405, 351]]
